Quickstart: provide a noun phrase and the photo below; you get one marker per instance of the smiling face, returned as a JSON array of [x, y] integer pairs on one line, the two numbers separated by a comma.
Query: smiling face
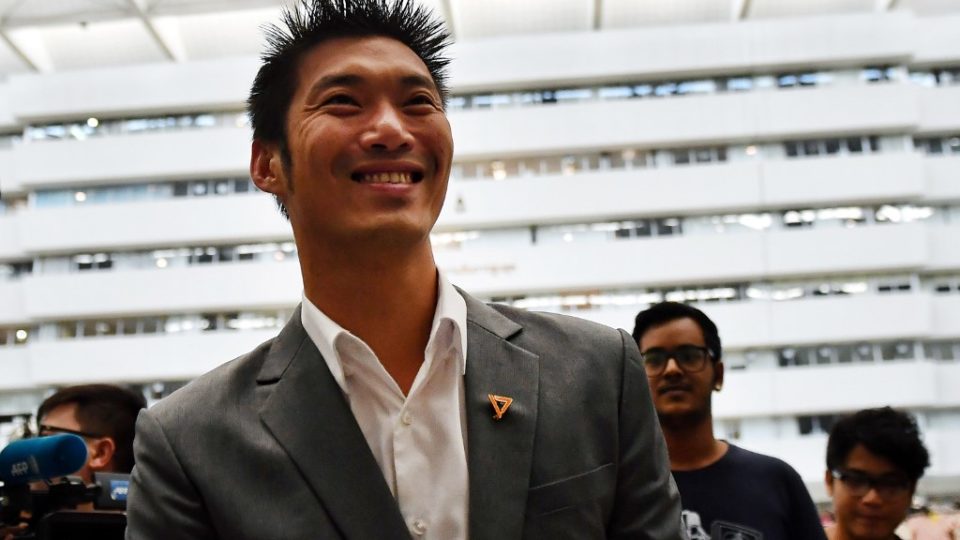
[[681, 398], [369, 144], [870, 516]]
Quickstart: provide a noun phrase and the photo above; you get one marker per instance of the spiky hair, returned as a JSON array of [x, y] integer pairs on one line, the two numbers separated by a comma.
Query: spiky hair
[[311, 22]]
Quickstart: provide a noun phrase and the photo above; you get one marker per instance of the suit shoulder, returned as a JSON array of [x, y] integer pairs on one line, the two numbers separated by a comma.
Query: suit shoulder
[[556, 322], [574, 340], [212, 389]]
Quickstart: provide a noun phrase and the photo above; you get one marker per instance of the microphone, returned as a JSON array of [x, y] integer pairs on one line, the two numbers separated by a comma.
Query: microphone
[[42, 458]]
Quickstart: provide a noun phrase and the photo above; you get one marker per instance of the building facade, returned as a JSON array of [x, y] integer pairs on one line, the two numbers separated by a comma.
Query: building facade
[[796, 178]]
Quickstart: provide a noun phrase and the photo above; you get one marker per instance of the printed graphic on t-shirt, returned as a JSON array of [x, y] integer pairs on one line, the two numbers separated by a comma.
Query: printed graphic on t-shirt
[[720, 530], [724, 530]]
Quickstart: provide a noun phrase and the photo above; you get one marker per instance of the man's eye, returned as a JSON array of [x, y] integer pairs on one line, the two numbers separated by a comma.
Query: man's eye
[[857, 480], [421, 99], [340, 99]]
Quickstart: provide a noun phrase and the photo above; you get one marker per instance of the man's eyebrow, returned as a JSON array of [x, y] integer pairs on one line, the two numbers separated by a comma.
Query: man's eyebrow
[[349, 79], [328, 81], [418, 80]]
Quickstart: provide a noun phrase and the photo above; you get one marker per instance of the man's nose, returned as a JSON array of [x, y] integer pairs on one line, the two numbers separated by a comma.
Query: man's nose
[[872, 497], [387, 131], [672, 366]]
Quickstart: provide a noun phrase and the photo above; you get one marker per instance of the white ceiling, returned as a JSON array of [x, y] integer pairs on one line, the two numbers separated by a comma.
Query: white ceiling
[[53, 35]]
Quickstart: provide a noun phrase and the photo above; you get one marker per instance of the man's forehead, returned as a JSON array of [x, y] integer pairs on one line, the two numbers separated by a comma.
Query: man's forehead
[[361, 58], [61, 414], [685, 327], [862, 459]]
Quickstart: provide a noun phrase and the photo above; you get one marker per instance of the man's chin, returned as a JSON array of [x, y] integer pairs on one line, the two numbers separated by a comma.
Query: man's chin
[[868, 529], [679, 416]]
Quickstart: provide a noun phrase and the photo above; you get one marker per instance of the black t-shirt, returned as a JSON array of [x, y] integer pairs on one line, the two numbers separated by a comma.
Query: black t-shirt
[[747, 496]]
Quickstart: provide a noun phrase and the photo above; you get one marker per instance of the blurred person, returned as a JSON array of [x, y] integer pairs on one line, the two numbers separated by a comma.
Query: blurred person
[[930, 526], [393, 404], [725, 491], [874, 459], [103, 415]]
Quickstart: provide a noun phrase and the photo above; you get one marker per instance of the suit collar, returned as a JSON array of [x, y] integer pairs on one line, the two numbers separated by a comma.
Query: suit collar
[[298, 386], [305, 411], [283, 350], [499, 452], [488, 318]]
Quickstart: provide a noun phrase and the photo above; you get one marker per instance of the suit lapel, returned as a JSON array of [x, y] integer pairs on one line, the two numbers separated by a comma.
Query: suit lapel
[[500, 452], [306, 412]]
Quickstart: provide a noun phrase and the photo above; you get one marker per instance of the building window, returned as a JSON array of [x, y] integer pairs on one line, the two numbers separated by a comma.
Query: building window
[[816, 425], [900, 350], [942, 350], [95, 261], [877, 74]]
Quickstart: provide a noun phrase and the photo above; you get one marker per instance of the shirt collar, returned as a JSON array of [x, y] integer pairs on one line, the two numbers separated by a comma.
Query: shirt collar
[[451, 309]]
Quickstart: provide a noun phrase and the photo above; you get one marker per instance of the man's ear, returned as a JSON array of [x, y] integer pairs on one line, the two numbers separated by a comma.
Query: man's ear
[[101, 454], [718, 375], [828, 480], [266, 168]]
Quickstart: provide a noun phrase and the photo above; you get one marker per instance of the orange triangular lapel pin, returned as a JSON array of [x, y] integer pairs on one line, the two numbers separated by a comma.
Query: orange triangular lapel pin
[[500, 405]]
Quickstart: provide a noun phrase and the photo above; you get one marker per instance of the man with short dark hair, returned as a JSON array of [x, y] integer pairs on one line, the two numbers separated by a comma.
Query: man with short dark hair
[[874, 459], [726, 491], [104, 415], [392, 404]]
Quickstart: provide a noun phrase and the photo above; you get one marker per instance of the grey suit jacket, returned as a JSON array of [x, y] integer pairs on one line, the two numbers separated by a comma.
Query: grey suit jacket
[[266, 447]]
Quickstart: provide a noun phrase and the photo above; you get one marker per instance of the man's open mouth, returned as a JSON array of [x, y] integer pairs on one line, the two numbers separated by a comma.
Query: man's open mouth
[[391, 177]]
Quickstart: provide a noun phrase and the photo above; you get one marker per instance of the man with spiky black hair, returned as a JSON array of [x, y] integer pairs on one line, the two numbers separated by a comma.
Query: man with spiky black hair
[[392, 404], [874, 459]]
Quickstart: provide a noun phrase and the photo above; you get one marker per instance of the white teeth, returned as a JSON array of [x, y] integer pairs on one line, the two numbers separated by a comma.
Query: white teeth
[[388, 178]]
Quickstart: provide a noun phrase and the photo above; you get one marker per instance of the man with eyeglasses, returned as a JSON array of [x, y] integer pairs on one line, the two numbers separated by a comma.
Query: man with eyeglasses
[[874, 459], [726, 491], [104, 415]]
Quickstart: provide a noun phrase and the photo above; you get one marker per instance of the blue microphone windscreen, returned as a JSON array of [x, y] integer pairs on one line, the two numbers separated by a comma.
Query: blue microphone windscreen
[[42, 458]]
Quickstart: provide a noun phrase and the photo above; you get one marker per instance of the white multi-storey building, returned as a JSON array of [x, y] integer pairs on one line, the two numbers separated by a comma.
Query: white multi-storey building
[[793, 167]]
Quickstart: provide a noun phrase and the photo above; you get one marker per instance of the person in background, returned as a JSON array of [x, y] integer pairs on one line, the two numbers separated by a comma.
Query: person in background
[[726, 491], [874, 459], [104, 415]]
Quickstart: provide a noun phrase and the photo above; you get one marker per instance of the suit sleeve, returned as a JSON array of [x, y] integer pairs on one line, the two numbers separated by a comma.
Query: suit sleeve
[[162, 502], [648, 503]]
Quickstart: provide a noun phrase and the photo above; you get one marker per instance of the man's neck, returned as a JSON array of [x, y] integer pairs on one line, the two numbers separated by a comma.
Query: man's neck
[[692, 447], [385, 299]]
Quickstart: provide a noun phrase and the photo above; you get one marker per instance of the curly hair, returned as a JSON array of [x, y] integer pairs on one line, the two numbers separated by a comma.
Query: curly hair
[[886, 432]]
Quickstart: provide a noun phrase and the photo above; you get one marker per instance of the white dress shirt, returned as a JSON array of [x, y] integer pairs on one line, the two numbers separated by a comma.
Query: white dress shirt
[[419, 440]]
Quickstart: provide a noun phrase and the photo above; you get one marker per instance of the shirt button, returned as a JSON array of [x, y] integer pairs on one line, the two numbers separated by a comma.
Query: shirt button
[[419, 526], [406, 418]]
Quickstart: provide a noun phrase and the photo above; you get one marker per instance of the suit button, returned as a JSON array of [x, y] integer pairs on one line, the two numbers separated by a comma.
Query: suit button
[[419, 526], [406, 418]]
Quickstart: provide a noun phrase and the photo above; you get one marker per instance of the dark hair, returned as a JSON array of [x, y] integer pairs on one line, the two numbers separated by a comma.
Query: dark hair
[[664, 312], [888, 433], [103, 409], [311, 22]]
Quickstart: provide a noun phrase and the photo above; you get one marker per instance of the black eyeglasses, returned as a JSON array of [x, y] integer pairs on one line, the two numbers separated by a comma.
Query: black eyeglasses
[[690, 359], [860, 483], [45, 430]]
